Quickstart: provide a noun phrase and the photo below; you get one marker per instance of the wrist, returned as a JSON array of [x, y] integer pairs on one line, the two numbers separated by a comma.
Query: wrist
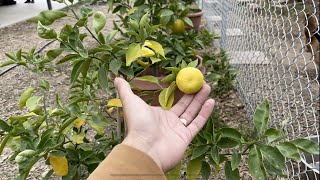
[[142, 145]]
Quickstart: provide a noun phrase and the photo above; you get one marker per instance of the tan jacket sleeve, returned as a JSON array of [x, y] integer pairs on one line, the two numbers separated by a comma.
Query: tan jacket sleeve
[[125, 162]]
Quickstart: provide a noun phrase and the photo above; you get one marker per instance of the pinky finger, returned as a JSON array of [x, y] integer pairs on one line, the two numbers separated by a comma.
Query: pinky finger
[[196, 125]]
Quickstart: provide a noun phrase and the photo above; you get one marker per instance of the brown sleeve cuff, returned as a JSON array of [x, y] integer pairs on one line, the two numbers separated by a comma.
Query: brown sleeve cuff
[[126, 162]]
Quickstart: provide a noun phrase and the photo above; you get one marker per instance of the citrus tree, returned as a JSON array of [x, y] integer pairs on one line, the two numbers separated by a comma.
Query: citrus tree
[[75, 134]]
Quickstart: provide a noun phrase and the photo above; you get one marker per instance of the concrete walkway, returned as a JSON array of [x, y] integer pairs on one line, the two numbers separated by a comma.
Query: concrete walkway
[[22, 11]]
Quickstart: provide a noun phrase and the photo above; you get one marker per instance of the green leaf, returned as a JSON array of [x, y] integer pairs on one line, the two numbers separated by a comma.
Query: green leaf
[[46, 32], [261, 117], [193, 64], [46, 138], [78, 138], [255, 164], [21, 118], [134, 25], [99, 123], [199, 151], [48, 175], [71, 173], [188, 21], [183, 64], [164, 20], [150, 79], [215, 154], [272, 170], [4, 126], [205, 170], [8, 63], [67, 124], [170, 78], [154, 60], [76, 71], [115, 66], [166, 103], [52, 54], [289, 150], [144, 20], [58, 153], [65, 32], [101, 38], [235, 160], [229, 173], [166, 12], [214, 77], [11, 55], [85, 11], [127, 71], [174, 173], [99, 21], [48, 17], [82, 22], [227, 143], [25, 96], [103, 78], [173, 69], [32, 102], [67, 58], [231, 134], [86, 147], [194, 168], [272, 135], [44, 85], [24, 155], [155, 46], [133, 53], [307, 145], [85, 67], [274, 156], [111, 35], [102, 48], [14, 143]]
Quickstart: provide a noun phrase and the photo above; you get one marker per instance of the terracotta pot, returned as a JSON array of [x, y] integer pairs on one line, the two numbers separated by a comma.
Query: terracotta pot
[[196, 19], [155, 89]]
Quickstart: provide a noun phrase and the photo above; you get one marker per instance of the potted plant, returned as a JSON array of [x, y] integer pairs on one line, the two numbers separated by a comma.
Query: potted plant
[[180, 49], [195, 14]]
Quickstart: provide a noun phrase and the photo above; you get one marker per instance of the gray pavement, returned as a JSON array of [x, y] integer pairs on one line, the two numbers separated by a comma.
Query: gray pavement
[[22, 11]]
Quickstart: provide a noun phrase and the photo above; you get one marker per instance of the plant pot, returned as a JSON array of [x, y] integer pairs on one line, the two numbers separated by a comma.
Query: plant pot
[[154, 89], [196, 19], [311, 163]]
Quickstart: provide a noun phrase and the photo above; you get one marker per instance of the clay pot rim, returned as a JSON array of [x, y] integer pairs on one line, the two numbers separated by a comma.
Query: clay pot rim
[[196, 14]]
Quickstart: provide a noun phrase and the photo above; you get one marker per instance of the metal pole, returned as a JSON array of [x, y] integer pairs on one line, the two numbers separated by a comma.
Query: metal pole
[[49, 4]]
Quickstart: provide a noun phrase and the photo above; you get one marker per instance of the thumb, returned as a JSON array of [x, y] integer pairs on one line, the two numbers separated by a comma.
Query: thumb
[[124, 90]]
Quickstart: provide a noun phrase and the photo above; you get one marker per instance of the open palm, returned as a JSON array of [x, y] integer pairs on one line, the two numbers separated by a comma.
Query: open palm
[[159, 133]]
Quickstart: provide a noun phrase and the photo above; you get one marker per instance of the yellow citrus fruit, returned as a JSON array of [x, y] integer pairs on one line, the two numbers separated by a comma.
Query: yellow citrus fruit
[[189, 80], [178, 26]]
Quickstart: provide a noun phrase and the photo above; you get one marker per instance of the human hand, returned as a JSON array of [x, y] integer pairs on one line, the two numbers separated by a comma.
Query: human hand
[[159, 133]]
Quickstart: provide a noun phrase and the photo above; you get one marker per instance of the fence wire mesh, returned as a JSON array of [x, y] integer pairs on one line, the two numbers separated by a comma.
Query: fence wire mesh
[[274, 44]]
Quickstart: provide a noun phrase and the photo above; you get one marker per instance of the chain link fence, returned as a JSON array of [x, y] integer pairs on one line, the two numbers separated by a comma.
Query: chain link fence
[[274, 44]]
